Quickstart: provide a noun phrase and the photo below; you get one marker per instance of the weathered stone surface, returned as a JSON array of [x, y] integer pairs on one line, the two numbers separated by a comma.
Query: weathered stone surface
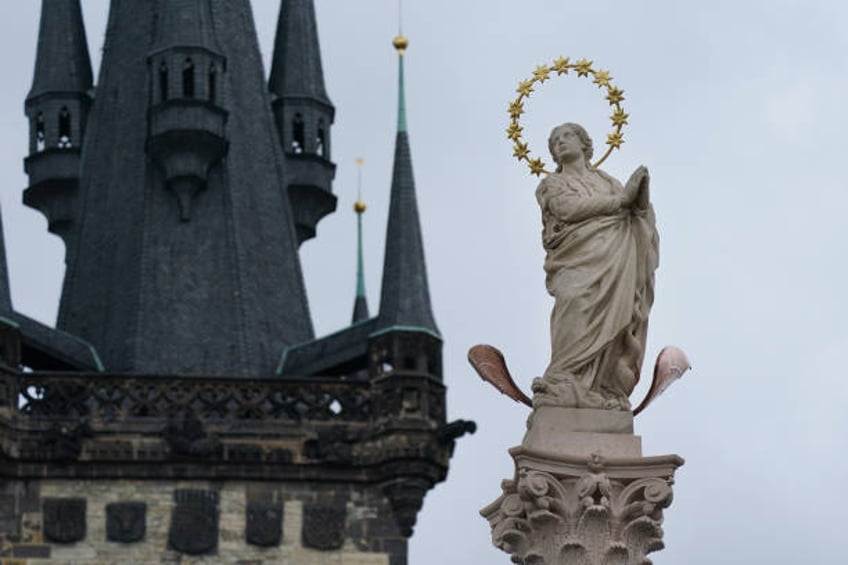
[[31, 551], [368, 518], [323, 526], [582, 432], [561, 510]]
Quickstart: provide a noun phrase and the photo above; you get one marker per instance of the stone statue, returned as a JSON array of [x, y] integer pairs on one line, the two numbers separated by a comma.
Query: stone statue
[[582, 491], [602, 249]]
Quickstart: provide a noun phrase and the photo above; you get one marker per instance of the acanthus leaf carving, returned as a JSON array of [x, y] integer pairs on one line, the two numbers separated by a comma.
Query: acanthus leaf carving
[[589, 517]]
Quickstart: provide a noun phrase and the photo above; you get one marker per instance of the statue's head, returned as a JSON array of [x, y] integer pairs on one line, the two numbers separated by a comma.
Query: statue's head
[[563, 149]]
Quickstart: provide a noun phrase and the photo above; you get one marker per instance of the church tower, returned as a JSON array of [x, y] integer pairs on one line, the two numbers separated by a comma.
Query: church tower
[[183, 405]]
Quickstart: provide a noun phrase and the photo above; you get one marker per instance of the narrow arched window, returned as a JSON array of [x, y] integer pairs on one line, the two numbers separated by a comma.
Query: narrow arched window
[[320, 141], [213, 83], [188, 78], [39, 132], [64, 128], [163, 82], [298, 134]]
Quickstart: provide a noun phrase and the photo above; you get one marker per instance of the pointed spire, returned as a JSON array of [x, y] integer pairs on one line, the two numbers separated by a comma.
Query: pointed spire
[[296, 66], [360, 305], [62, 63], [405, 298], [401, 43], [5, 295]]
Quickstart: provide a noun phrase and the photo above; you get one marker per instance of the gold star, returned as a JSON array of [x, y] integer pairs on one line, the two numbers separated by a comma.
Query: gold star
[[619, 117], [520, 150], [583, 67], [561, 66], [542, 73], [615, 139], [525, 87], [602, 78], [536, 166], [516, 108], [614, 95], [514, 130]]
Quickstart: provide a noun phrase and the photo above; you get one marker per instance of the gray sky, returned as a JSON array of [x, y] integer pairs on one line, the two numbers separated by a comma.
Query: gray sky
[[736, 108]]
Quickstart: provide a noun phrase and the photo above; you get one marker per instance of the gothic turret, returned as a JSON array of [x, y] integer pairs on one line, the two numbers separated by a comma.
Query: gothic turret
[[57, 108], [303, 114], [187, 260], [187, 118]]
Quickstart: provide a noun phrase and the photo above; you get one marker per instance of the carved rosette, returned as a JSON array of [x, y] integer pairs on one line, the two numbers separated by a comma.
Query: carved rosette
[[605, 513]]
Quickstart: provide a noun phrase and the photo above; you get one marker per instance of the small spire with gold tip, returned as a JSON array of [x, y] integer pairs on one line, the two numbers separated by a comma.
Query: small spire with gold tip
[[360, 304], [401, 43]]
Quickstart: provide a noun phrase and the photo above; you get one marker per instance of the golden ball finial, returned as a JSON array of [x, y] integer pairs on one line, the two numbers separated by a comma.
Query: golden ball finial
[[359, 206], [401, 43]]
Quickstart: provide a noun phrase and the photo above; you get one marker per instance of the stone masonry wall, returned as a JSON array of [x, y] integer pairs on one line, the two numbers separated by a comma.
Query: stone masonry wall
[[298, 524]]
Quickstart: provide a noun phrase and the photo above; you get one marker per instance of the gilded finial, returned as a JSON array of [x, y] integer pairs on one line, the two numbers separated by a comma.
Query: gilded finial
[[359, 205], [401, 43]]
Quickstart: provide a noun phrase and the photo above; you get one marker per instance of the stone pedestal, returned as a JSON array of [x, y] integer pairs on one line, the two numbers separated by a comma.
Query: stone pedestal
[[582, 492]]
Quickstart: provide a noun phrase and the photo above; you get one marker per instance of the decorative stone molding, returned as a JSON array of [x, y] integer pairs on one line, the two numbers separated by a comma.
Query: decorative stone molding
[[569, 510]]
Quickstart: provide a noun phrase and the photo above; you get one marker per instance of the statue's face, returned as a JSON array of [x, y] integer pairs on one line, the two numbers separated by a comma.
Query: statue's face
[[565, 145]]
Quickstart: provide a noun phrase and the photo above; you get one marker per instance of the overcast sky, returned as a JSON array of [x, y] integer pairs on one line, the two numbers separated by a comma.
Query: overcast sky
[[738, 111]]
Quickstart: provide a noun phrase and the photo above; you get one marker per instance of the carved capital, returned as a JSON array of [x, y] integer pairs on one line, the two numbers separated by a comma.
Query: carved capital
[[565, 511]]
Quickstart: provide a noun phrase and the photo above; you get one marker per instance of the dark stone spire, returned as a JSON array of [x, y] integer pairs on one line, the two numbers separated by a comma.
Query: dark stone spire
[[405, 297], [57, 108], [304, 115], [296, 67], [62, 63], [360, 304], [187, 259], [5, 295]]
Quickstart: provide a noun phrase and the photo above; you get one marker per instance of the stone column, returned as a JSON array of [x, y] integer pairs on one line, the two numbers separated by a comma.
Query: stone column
[[582, 492]]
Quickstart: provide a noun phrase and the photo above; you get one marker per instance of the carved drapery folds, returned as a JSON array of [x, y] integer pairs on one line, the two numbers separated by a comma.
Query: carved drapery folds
[[564, 512]]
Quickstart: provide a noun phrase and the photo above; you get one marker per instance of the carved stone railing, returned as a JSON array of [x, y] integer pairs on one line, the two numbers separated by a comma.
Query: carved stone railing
[[119, 398]]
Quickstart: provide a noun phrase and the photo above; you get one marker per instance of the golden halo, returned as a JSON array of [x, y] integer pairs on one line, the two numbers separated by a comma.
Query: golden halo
[[584, 68]]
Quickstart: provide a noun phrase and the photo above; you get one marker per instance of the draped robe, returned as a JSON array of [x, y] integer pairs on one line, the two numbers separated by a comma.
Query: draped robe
[[600, 262]]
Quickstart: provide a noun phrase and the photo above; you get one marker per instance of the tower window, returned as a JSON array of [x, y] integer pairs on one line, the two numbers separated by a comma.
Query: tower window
[[298, 134], [320, 141], [213, 83], [188, 78], [39, 132], [64, 128], [163, 82]]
